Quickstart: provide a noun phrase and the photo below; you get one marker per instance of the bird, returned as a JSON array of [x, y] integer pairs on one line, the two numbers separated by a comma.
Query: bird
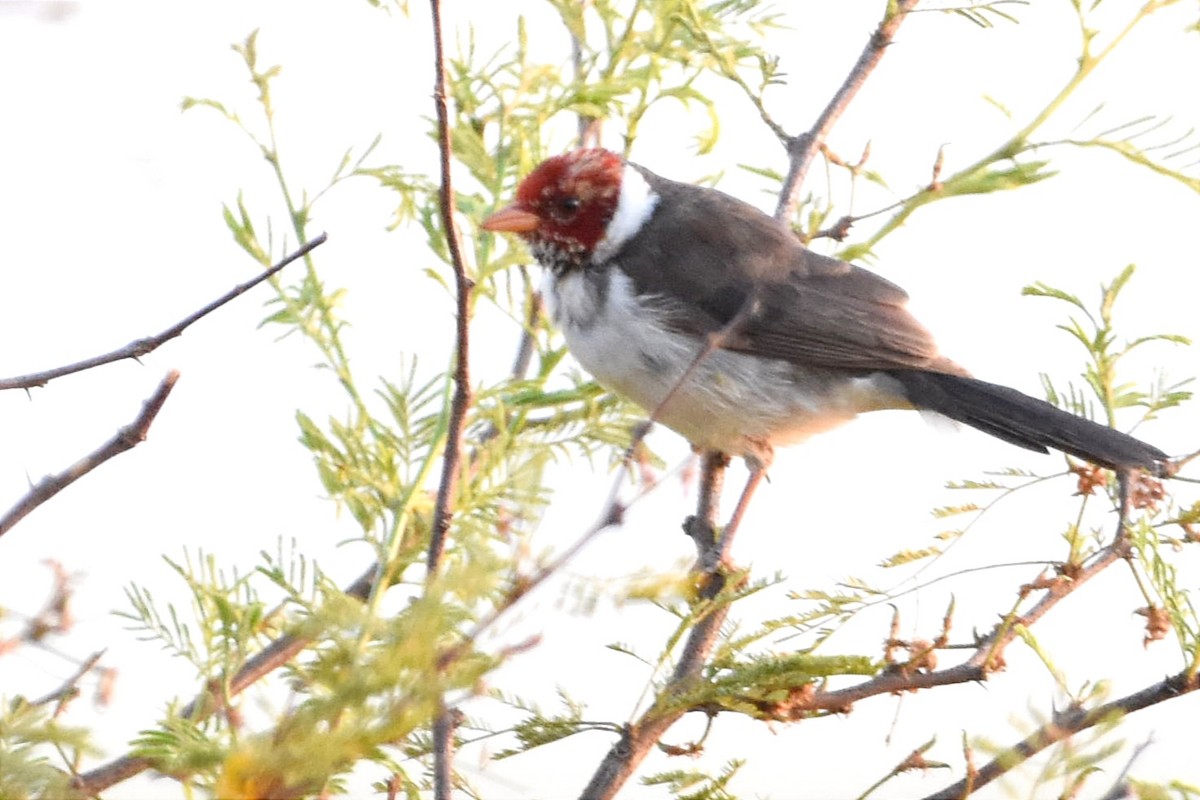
[[712, 315]]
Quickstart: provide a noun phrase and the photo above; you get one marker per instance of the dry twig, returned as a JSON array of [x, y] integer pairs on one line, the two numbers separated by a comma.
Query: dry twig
[[1065, 724], [803, 148], [140, 347], [443, 749], [126, 438]]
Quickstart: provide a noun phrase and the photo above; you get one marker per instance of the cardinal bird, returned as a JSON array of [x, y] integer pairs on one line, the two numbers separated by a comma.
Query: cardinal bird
[[645, 273]]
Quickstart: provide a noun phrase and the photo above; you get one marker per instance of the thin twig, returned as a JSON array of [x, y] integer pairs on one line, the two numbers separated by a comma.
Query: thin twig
[[463, 285], [588, 126], [69, 689], [1120, 788], [126, 438], [803, 148], [140, 347], [527, 342], [446, 722], [1067, 723], [989, 652], [640, 736]]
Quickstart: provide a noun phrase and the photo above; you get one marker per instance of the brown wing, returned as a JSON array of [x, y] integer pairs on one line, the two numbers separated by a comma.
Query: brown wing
[[808, 309]]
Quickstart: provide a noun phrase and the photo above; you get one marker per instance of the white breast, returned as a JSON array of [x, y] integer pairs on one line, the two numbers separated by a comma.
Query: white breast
[[732, 402]]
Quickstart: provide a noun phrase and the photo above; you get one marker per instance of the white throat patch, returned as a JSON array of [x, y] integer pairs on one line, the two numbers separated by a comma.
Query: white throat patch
[[634, 206]]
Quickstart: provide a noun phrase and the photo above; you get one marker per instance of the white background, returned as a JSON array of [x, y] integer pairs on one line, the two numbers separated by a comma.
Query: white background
[[110, 211]]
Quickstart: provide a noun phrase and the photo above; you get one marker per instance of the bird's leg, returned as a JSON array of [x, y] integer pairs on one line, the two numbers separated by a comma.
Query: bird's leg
[[718, 552], [1124, 476]]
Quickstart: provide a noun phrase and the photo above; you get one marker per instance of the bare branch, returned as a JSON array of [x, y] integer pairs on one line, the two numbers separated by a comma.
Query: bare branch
[[126, 438], [443, 751], [803, 148], [989, 653], [640, 736], [704, 636], [1067, 723], [69, 689], [140, 347], [463, 286]]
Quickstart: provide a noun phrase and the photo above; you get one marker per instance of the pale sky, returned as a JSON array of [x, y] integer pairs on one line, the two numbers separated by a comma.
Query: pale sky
[[111, 202]]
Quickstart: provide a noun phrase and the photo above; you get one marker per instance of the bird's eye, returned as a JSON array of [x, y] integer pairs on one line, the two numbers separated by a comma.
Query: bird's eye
[[564, 208]]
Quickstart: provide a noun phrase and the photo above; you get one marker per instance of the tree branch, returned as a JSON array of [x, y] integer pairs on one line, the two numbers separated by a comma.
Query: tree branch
[[988, 656], [1065, 724], [140, 347], [803, 148], [443, 739], [126, 438], [69, 689], [639, 737], [463, 286]]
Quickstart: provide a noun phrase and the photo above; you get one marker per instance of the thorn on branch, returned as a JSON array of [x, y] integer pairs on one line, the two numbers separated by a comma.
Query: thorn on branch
[[140, 347], [935, 179], [125, 439], [838, 231], [69, 690], [701, 532], [614, 515]]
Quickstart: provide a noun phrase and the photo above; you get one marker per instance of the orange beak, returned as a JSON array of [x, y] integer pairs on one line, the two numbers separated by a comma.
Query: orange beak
[[512, 219]]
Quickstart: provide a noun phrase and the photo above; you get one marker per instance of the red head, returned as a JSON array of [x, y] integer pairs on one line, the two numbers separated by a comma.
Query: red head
[[564, 206]]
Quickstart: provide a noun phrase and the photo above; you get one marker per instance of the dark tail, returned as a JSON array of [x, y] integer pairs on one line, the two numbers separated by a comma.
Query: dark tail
[[1025, 421]]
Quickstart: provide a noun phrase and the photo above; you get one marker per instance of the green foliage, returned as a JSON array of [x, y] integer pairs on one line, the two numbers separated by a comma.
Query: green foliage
[[376, 668], [767, 686], [986, 14], [538, 728], [181, 747], [31, 741], [1098, 339], [1175, 790], [1015, 162], [693, 785], [228, 617]]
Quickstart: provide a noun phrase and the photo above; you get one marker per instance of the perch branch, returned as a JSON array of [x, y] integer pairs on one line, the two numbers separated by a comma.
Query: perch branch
[[639, 737]]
